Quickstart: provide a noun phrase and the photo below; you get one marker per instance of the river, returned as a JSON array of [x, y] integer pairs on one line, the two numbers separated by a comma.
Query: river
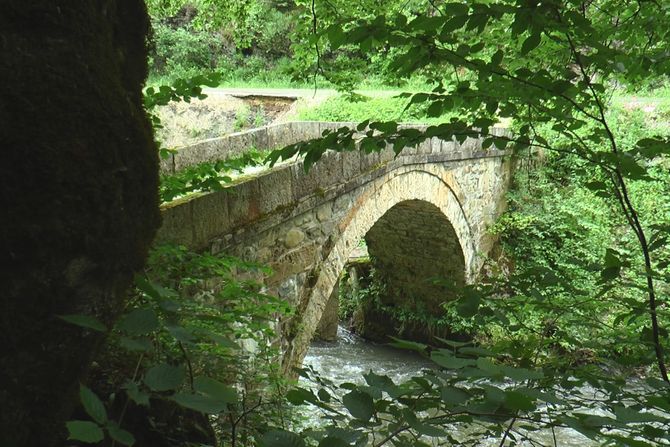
[[348, 358]]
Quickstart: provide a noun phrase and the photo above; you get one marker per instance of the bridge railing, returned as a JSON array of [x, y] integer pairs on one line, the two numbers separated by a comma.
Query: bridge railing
[[270, 137]]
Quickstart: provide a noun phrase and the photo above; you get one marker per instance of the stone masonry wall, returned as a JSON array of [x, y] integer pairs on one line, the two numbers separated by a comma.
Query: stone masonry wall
[[412, 246], [305, 225]]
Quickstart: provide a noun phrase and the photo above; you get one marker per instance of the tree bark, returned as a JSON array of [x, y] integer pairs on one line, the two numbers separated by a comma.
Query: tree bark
[[78, 196]]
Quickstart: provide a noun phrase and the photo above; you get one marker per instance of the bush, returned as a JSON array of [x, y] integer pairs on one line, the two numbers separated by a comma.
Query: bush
[[360, 108], [183, 52], [274, 37]]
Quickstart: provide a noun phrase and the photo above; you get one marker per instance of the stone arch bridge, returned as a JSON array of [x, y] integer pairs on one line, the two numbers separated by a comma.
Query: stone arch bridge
[[423, 214]]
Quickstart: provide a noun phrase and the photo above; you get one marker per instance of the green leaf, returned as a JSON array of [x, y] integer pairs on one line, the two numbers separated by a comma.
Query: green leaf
[[447, 360], [469, 305], [198, 402], [84, 431], [385, 126], [516, 400], [454, 343], [629, 415], [362, 126], [93, 405], [299, 396], [596, 186], [453, 396], [139, 322], [453, 24], [489, 367], [629, 441], [120, 435], [135, 344], [405, 344], [497, 57], [324, 395], [85, 321], [426, 429], [281, 438], [520, 374], [147, 287], [359, 404], [215, 389], [348, 435], [456, 9], [531, 43], [222, 341], [164, 377], [476, 351], [181, 333], [330, 441], [138, 396], [382, 383]]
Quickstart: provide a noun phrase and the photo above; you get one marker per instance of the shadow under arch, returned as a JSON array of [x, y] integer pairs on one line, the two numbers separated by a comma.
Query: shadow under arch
[[371, 204]]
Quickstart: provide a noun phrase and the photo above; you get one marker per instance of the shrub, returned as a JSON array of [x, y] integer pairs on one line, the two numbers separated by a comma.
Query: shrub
[[183, 52]]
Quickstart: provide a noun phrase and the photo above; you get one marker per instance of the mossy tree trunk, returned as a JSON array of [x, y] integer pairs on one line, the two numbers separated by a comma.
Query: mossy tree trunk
[[78, 196]]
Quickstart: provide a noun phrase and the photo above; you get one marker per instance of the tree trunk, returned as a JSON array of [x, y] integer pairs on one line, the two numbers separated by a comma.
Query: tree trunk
[[78, 196]]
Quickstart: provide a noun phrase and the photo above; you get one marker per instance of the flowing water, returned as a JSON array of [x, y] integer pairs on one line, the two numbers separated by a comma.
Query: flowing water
[[348, 358]]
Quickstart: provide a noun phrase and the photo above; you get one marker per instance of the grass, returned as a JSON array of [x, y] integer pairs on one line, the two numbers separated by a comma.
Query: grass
[[375, 106]]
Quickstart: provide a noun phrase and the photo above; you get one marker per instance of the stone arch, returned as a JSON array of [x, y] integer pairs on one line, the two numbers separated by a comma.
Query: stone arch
[[373, 202], [411, 244]]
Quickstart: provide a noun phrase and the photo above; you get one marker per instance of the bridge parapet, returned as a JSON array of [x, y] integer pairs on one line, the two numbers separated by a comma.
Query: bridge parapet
[[305, 225], [272, 137]]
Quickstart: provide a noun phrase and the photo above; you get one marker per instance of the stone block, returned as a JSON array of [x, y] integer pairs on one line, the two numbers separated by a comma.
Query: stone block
[[243, 202], [275, 189], [293, 237], [208, 150], [450, 146], [177, 226], [166, 165], [300, 259], [351, 163], [210, 217], [368, 161], [259, 138], [324, 212], [471, 145], [236, 144], [322, 175], [436, 146], [305, 130], [387, 154], [426, 147], [277, 135], [327, 327]]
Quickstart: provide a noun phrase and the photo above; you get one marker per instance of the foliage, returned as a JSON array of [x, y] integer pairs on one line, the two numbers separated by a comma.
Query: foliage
[[201, 339], [354, 287], [591, 255], [209, 176], [234, 37], [183, 52], [471, 398], [592, 278], [498, 84], [239, 36], [378, 108]]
